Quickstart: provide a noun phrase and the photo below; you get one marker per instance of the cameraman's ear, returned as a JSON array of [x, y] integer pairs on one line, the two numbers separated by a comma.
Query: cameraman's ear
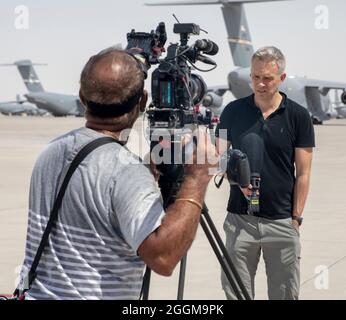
[[143, 101], [82, 99]]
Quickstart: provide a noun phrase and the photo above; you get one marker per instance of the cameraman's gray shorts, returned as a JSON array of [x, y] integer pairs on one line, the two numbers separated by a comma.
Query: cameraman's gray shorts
[[246, 237]]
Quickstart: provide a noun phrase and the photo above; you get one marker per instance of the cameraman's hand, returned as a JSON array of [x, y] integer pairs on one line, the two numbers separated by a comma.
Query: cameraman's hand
[[205, 157]]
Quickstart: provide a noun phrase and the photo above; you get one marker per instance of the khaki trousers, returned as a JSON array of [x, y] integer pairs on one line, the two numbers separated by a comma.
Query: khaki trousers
[[246, 237]]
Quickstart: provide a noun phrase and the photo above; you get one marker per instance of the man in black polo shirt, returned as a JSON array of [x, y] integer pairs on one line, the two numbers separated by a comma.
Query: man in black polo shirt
[[282, 138]]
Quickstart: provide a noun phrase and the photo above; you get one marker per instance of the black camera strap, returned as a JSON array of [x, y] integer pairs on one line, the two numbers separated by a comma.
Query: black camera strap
[[57, 204]]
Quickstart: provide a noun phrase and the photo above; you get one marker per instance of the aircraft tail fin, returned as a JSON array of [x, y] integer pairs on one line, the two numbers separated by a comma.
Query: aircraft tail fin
[[236, 24], [239, 38], [28, 74]]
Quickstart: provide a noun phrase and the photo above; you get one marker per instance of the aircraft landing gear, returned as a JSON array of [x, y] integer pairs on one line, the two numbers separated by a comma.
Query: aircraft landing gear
[[316, 120]]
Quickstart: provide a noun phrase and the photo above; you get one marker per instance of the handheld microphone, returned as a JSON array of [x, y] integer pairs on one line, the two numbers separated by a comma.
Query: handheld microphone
[[252, 146], [207, 46], [236, 165]]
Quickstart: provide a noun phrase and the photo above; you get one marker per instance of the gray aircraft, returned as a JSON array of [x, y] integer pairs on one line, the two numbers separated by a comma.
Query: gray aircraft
[[16, 108], [312, 94], [55, 103], [20, 107]]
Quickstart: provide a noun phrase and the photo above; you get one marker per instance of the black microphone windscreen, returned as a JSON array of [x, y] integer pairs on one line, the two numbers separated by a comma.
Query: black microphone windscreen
[[244, 173], [207, 46], [252, 145], [214, 50]]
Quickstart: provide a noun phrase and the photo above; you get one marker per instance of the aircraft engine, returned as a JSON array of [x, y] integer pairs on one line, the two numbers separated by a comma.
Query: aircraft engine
[[332, 114], [343, 97], [212, 101]]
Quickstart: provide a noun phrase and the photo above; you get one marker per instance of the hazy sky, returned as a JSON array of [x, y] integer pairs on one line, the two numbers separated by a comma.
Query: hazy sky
[[64, 34]]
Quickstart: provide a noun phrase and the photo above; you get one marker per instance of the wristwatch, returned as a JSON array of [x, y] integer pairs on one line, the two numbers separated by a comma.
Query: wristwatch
[[298, 219]]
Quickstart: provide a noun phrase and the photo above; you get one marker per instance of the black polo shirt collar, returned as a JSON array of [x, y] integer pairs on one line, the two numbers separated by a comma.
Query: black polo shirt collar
[[282, 106]]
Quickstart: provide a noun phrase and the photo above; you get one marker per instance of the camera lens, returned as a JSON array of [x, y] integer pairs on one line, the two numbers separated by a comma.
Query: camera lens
[[198, 88]]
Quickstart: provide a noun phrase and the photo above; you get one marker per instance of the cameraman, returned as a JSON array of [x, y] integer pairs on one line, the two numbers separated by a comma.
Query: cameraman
[[111, 222], [285, 131]]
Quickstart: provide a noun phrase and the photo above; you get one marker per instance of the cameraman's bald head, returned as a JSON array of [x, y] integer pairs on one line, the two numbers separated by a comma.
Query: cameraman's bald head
[[111, 77], [112, 90]]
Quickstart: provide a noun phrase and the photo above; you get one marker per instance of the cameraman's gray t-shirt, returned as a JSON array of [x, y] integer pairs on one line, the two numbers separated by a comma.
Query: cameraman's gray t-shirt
[[111, 205]]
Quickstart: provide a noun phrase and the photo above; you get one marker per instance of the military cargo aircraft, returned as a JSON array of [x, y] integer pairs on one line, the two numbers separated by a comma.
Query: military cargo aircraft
[[55, 103]]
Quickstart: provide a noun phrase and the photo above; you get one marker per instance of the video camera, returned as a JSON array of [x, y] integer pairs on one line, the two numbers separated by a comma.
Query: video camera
[[176, 92], [176, 95]]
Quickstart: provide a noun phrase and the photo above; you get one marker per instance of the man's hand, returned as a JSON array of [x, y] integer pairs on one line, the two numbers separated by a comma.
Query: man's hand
[[205, 156], [247, 191], [295, 224]]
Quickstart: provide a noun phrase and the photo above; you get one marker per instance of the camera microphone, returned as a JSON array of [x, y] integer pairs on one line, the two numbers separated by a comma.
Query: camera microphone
[[205, 60], [162, 35], [252, 146], [207, 46]]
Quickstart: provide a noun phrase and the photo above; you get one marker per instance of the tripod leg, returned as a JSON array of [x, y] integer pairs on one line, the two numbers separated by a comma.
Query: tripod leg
[[181, 284], [222, 262], [221, 245]]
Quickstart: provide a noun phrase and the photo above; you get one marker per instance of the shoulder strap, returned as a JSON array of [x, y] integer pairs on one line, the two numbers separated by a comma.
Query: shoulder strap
[[144, 294], [54, 213]]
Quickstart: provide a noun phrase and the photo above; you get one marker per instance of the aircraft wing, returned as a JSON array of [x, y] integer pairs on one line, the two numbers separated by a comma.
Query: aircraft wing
[[182, 3], [199, 2], [8, 102], [219, 90], [323, 86], [8, 107]]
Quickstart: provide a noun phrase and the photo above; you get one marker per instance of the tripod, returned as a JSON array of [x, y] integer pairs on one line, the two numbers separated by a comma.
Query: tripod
[[172, 176]]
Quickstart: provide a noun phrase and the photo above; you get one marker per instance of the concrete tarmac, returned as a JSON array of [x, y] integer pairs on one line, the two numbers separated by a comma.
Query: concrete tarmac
[[323, 233]]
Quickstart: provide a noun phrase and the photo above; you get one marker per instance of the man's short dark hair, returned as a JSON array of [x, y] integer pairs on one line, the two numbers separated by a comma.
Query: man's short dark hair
[[112, 83]]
